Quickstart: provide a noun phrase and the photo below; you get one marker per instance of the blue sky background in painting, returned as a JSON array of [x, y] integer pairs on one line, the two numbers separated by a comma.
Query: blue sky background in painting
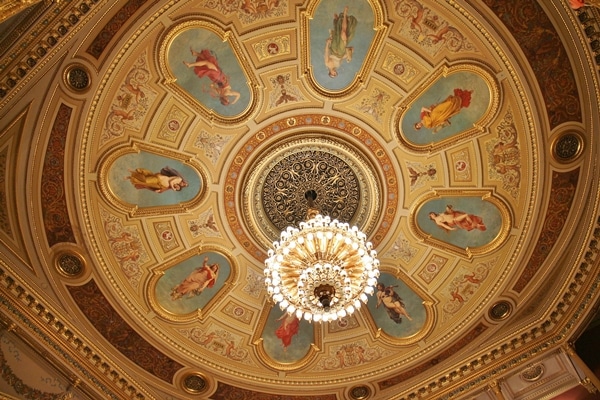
[[174, 275], [124, 190], [300, 343], [320, 25], [412, 303], [438, 92], [199, 39], [460, 237]]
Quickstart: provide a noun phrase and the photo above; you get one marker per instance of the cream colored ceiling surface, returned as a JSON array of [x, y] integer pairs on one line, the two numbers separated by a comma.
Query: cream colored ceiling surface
[[175, 140]]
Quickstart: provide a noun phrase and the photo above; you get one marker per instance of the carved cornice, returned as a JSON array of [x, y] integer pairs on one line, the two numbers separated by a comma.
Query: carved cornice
[[36, 322], [13, 7], [35, 47]]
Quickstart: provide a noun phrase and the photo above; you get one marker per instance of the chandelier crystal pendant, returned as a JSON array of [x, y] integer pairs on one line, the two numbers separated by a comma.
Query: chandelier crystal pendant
[[322, 271]]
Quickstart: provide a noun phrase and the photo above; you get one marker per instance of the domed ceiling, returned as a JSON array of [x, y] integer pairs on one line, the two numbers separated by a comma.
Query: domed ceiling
[[164, 145]]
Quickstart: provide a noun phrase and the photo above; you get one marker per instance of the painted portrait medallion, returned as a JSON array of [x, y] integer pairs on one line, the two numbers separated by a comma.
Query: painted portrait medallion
[[454, 104], [462, 221], [286, 339]]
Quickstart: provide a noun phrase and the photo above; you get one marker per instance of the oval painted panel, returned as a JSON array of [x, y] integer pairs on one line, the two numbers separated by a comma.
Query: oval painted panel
[[452, 105], [340, 37], [192, 283], [396, 308], [145, 179], [285, 338], [464, 222], [206, 67]]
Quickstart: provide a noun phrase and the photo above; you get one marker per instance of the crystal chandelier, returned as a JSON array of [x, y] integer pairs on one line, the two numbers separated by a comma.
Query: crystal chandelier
[[322, 271]]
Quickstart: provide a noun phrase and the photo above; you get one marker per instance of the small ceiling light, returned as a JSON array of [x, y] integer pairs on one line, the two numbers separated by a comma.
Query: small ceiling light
[[322, 271]]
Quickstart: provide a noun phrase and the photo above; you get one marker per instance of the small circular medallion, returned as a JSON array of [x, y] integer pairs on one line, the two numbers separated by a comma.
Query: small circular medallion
[[77, 78], [194, 383], [500, 310], [69, 264], [238, 311], [360, 392], [568, 147], [173, 125], [399, 69], [431, 267], [460, 165], [273, 48]]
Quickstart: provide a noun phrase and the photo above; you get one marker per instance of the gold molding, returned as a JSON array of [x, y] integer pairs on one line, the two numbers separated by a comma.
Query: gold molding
[[36, 322]]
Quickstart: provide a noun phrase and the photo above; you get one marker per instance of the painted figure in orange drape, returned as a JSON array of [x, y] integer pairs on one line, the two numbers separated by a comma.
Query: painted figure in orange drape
[[577, 4], [438, 115], [451, 220], [199, 279], [207, 65], [167, 179], [290, 325]]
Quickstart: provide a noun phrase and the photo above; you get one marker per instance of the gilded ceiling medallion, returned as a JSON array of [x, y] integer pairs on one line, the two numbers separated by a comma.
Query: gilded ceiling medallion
[[328, 175], [194, 383], [345, 182], [500, 310], [70, 264], [360, 392], [567, 147], [77, 78]]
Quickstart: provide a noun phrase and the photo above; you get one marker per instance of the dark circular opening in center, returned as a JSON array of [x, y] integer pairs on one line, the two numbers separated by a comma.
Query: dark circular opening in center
[[310, 195]]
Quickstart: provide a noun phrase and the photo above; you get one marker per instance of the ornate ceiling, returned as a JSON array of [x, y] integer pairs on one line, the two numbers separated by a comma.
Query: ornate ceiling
[[151, 152]]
